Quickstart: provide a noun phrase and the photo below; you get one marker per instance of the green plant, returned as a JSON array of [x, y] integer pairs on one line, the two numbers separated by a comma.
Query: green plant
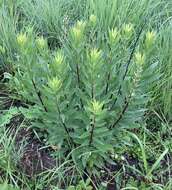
[[147, 170], [9, 18], [87, 88], [52, 18], [81, 186], [163, 93], [5, 186], [85, 93], [9, 156]]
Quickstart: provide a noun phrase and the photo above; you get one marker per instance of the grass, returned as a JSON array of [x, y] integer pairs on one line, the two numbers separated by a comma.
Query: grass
[[165, 95], [143, 158]]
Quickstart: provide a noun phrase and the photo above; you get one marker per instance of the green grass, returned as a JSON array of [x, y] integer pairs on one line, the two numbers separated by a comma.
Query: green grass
[[163, 89]]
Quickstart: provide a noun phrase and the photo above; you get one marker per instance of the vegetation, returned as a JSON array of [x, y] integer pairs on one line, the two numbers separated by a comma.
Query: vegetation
[[85, 94]]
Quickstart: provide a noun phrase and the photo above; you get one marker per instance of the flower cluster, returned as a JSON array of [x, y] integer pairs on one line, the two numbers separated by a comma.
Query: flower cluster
[[95, 55], [41, 42], [21, 39], [93, 19], [77, 32], [54, 84], [96, 107], [139, 58], [113, 35], [128, 30], [150, 38]]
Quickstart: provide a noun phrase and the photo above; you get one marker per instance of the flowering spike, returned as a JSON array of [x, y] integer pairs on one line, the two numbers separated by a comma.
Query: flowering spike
[[21, 39], [150, 37], [41, 42], [96, 106], [54, 84], [128, 30], [95, 55], [77, 32], [80, 25], [113, 34], [139, 58], [59, 58], [93, 19]]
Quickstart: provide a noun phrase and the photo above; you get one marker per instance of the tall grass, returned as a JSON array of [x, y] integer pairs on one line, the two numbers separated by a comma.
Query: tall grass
[[164, 87], [8, 27], [157, 15], [52, 18], [112, 13]]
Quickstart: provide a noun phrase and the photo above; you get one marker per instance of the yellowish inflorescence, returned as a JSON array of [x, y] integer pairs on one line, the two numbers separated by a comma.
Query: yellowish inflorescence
[[96, 107], [77, 31], [80, 25], [113, 35], [21, 39], [128, 30], [59, 58], [41, 42], [95, 55], [150, 38], [93, 19], [139, 58], [54, 84]]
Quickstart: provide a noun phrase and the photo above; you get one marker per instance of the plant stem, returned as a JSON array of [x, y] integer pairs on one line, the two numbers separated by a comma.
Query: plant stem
[[78, 79], [92, 90], [39, 96], [128, 63], [121, 114], [92, 130], [64, 125], [107, 85]]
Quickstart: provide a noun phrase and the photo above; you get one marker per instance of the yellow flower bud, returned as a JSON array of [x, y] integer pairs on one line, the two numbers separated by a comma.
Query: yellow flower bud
[[139, 58], [59, 58], [93, 19], [95, 55], [150, 37], [54, 84], [113, 34], [77, 32], [80, 25], [128, 30], [96, 107], [21, 39], [41, 42]]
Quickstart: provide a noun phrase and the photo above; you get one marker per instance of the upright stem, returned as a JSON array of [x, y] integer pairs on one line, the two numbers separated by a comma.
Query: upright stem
[[121, 114], [39, 96], [92, 130], [78, 75], [107, 85], [128, 63], [70, 140], [78, 79], [109, 73], [92, 90]]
